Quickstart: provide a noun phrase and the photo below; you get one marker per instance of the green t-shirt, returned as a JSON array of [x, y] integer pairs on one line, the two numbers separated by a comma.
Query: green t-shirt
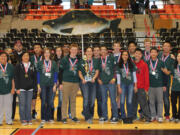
[[70, 73], [156, 80], [176, 79], [34, 60], [127, 79], [6, 79], [92, 64], [107, 73], [47, 79]]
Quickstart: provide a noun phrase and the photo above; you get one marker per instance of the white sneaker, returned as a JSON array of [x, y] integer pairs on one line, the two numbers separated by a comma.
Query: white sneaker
[[160, 120], [51, 121], [153, 119], [43, 121]]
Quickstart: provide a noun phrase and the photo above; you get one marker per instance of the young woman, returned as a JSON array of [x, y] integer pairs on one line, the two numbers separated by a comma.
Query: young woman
[[57, 59], [131, 49], [127, 82], [175, 90], [69, 65], [6, 89], [47, 80], [25, 83], [88, 72]]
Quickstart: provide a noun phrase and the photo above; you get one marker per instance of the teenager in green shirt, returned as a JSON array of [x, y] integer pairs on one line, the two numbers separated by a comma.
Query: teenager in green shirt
[[47, 80], [7, 88], [175, 90], [131, 49], [88, 73], [107, 83]]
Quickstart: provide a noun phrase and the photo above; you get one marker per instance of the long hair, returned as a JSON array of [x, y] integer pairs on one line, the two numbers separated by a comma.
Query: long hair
[[129, 61], [47, 49], [55, 56]]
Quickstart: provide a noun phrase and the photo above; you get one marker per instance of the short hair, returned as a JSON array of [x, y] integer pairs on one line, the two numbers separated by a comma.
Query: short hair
[[117, 43], [39, 44], [74, 45], [103, 46], [167, 41], [154, 48], [17, 41], [132, 42], [1, 53], [139, 50], [89, 48], [147, 40]]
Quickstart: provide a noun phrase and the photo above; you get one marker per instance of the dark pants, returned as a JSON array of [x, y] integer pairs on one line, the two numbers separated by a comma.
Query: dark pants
[[14, 106], [141, 98], [166, 101], [89, 95], [46, 102], [176, 112]]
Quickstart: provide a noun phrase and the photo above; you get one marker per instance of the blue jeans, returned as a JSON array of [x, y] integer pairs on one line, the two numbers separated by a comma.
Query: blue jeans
[[46, 102], [25, 99], [166, 101], [99, 100], [127, 92], [112, 92], [89, 95]]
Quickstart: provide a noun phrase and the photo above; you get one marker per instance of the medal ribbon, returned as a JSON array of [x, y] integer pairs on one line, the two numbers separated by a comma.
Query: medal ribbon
[[26, 67], [73, 64], [90, 65], [3, 69], [126, 69], [153, 68], [147, 57], [35, 58], [104, 63], [164, 58], [47, 66]]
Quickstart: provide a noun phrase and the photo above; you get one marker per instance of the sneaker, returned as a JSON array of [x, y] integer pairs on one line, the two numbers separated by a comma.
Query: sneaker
[[43, 121], [30, 122], [89, 121], [75, 120], [64, 121], [153, 119], [102, 120], [114, 120], [167, 118], [51, 121], [172, 119], [9, 123], [176, 121], [34, 114], [160, 120]]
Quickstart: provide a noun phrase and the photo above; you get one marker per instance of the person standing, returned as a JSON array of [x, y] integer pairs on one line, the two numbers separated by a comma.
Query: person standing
[[47, 74], [25, 83], [7, 88], [88, 73], [107, 83], [70, 82]]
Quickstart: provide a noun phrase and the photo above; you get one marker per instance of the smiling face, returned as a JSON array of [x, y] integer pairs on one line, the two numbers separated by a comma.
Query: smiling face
[[166, 47], [116, 47], [125, 56], [154, 54], [25, 57], [3, 59]]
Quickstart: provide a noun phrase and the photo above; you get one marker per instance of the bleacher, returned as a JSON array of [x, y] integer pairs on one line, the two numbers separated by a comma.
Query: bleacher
[[48, 12]]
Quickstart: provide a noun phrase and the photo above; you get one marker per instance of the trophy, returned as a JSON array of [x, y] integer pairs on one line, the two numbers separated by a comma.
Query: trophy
[[87, 77]]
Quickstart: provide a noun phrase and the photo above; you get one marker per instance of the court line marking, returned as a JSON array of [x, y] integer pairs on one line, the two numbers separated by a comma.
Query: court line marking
[[14, 131], [37, 129]]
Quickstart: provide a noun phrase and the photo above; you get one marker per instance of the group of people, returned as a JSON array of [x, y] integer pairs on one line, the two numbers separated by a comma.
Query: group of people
[[130, 77]]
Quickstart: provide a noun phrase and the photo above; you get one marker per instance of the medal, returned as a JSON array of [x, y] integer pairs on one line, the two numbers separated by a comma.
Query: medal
[[147, 57], [48, 66], [73, 64], [90, 66], [153, 68], [3, 70], [104, 63], [126, 70], [26, 67]]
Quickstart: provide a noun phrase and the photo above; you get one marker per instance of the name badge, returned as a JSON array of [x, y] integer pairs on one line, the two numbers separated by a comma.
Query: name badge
[[88, 78], [48, 75]]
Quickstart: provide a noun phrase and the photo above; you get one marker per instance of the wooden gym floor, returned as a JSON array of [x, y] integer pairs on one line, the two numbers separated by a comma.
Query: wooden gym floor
[[82, 128]]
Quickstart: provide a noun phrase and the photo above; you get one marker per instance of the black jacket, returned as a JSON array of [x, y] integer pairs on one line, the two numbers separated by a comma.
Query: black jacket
[[21, 82]]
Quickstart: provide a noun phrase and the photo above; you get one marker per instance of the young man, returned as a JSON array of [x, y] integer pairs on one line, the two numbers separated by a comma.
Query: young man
[[37, 57], [69, 65], [147, 46], [142, 75], [166, 58], [156, 86], [107, 83], [131, 48]]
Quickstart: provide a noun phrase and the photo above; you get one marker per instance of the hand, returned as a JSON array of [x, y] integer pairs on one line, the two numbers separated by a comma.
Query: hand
[[100, 82], [165, 70], [135, 89], [54, 88], [83, 81], [18, 92], [39, 89], [93, 80], [12, 91], [119, 90], [112, 81], [164, 89], [60, 87]]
